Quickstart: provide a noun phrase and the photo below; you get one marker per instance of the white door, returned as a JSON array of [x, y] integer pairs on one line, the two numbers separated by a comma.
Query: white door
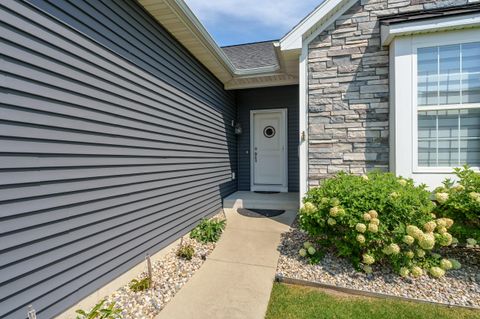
[[269, 150]]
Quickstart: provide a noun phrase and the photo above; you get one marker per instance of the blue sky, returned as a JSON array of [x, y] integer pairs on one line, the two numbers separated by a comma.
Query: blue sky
[[242, 21]]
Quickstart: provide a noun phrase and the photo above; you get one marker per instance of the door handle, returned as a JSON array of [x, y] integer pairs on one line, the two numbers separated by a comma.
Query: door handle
[[255, 157]]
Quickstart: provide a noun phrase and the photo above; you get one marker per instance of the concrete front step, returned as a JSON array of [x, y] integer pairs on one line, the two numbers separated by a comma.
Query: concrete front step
[[243, 199]]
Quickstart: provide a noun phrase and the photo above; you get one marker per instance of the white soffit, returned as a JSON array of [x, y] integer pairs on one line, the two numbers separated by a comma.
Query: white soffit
[[179, 20], [389, 32]]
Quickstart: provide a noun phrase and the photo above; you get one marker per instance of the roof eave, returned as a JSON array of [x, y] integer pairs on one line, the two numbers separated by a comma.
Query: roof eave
[[393, 30]]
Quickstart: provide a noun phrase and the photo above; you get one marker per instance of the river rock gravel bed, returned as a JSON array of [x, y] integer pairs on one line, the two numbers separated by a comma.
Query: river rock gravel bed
[[170, 273], [458, 287]]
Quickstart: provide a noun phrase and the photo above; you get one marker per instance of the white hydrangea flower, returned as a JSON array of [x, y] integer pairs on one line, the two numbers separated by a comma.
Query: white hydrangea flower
[[334, 211], [307, 244], [402, 182], [302, 252], [335, 202], [407, 239], [311, 250], [375, 221], [420, 253], [367, 217], [455, 264], [445, 239], [365, 177], [474, 195], [449, 222], [410, 254], [392, 249], [331, 221], [414, 231], [404, 272], [368, 259], [442, 230], [427, 241], [361, 238], [471, 242], [372, 228], [441, 197], [416, 271], [446, 264], [394, 195], [437, 272], [459, 188], [442, 222], [430, 226], [367, 269], [361, 228], [373, 213], [309, 208]]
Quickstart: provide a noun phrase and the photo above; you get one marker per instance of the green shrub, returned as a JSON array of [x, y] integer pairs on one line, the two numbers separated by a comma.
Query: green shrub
[[208, 231], [376, 218], [100, 312], [186, 252], [140, 285], [461, 202]]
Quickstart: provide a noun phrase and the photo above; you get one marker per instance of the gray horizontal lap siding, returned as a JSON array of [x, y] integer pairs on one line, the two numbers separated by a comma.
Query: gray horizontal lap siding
[[113, 142], [268, 98]]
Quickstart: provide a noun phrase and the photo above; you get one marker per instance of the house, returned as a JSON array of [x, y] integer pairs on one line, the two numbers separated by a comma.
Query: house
[[123, 123]]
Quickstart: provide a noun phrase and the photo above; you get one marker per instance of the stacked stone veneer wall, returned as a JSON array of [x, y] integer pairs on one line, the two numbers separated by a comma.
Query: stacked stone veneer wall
[[349, 90]]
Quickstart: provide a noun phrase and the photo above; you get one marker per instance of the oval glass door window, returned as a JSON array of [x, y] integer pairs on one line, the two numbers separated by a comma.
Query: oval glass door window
[[269, 132]]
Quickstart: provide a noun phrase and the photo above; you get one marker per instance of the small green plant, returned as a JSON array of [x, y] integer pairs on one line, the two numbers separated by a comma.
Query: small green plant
[[208, 231], [376, 218], [140, 285], [186, 252], [461, 202], [100, 312]]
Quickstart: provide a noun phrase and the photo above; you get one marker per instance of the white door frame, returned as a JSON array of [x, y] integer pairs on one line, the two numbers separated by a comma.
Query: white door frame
[[273, 188]]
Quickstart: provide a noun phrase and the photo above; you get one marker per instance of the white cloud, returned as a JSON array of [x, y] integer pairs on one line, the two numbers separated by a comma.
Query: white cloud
[[284, 14]]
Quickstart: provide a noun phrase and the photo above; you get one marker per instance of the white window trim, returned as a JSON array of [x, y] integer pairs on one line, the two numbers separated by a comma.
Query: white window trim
[[431, 41], [404, 111]]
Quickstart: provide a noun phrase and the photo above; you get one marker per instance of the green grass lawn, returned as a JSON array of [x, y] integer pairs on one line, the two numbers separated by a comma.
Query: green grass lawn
[[287, 301]]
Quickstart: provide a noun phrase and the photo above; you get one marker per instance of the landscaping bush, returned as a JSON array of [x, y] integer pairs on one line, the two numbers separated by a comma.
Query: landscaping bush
[[208, 231], [462, 203], [140, 285], [186, 252], [377, 218], [99, 311]]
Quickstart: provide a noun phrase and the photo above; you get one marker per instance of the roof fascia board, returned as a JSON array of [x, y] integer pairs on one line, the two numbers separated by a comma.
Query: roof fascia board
[[389, 32], [293, 40], [328, 22], [189, 18]]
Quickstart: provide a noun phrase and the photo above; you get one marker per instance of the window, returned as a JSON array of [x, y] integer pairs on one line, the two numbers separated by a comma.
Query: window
[[448, 105]]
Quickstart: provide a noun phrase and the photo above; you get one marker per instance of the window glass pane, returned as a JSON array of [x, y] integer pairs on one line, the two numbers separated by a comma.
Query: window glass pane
[[447, 153], [470, 152], [427, 125], [447, 124], [449, 74], [427, 153], [449, 138], [471, 72], [427, 76], [470, 123]]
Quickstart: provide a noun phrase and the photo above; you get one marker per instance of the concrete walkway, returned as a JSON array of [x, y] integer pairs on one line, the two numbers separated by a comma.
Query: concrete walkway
[[236, 279]]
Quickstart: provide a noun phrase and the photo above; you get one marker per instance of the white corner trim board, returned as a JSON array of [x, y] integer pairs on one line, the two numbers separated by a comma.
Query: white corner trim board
[[389, 32], [306, 32], [293, 40]]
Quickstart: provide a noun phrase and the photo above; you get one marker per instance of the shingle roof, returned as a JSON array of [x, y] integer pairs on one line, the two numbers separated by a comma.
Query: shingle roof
[[252, 55]]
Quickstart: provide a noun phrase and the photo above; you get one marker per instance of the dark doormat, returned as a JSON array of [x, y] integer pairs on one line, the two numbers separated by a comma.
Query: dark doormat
[[265, 192], [267, 212]]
